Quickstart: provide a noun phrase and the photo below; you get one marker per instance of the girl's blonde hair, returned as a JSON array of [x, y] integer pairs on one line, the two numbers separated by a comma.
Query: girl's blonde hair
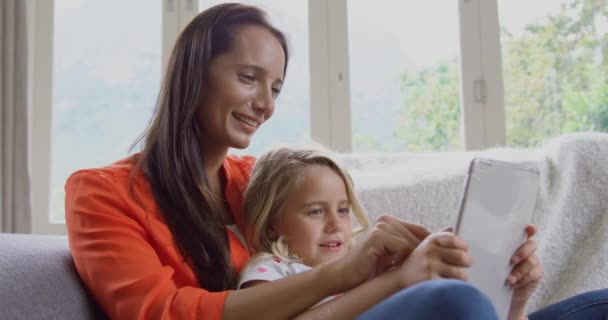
[[275, 176]]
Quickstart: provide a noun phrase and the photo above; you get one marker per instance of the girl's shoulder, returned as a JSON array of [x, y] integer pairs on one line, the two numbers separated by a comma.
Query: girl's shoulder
[[272, 261], [267, 267]]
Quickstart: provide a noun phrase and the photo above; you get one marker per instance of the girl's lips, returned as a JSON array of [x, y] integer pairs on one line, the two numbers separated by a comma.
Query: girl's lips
[[333, 246]]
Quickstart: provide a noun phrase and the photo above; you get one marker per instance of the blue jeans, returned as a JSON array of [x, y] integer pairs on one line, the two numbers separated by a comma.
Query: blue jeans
[[434, 300], [452, 299], [591, 305]]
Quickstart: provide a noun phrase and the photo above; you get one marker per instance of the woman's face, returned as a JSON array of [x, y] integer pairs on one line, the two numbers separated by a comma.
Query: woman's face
[[315, 218], [241, 90]]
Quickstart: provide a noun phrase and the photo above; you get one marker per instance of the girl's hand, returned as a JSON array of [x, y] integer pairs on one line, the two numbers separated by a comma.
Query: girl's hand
[[389, 242], [440, 255], [526, 274]]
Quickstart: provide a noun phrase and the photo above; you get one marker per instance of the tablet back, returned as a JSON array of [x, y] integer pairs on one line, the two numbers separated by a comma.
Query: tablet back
[[497, 204]]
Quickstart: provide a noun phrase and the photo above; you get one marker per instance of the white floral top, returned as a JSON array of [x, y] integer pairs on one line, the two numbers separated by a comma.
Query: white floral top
[[269, 268]]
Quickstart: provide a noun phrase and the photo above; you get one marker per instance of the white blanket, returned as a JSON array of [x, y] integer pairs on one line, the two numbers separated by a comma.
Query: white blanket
[[571, 212]]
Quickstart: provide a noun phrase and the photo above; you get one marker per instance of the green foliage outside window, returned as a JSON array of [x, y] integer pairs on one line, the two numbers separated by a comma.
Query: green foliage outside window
[[555, 77]]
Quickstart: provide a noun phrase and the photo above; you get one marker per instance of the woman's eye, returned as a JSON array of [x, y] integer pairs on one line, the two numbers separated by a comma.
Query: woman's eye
[[275, 92], [247, 77]]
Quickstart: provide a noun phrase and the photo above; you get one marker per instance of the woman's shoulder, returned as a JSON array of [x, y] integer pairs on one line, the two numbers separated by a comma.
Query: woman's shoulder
[[120, 169], [114, 188], [116, 178], [238, 169], [241, 162]]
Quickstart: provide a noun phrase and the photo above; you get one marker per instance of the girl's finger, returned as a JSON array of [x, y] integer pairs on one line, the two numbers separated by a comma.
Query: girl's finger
[[523, 270], [455, 257], [450, 272], [525, 250], [417, 230], [449, 240], [530, 230], [448, 229], [391, 226], [534, 276], [390, 244]]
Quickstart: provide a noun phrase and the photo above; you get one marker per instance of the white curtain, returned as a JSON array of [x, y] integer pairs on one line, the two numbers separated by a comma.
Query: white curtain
[[15, 211]]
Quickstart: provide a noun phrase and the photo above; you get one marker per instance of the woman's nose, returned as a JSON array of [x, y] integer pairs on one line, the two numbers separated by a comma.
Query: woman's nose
[[264, 103]]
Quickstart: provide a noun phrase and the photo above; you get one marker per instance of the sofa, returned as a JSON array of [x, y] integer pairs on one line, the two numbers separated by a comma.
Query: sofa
[[38, 279]]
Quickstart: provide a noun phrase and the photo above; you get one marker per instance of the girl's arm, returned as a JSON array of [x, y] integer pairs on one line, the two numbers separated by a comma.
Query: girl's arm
[[426, 262], [283, 298], [356, 301], [294, 295]]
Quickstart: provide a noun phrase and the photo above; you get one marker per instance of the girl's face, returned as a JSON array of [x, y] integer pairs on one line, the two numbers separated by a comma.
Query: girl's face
[[316, 218], [242, 86]]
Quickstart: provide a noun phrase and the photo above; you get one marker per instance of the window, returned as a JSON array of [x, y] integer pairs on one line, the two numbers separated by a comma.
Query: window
[[106, 75], [404, 77], [383, 76], [555, 68], [291, 120]]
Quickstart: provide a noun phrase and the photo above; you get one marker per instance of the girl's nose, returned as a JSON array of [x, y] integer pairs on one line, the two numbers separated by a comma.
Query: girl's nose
[[332, 223]]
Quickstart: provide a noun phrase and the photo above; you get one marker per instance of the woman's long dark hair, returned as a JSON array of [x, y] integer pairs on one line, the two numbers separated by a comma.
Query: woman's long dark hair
[[171, 156]]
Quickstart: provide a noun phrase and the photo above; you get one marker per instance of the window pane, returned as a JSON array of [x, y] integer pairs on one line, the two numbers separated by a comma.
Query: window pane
[[291, 120], [404, 75], [106, 76], [555, 65]]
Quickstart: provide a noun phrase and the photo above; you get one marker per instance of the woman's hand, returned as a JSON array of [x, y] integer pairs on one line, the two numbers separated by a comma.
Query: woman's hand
[[440, 255], [389, 242], [525, 276]]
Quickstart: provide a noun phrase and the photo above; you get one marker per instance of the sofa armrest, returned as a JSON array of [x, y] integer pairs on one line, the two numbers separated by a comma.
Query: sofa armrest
[[39, 281]]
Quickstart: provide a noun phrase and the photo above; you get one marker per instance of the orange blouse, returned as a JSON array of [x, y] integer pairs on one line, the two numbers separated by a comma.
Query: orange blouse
[[126, 255]]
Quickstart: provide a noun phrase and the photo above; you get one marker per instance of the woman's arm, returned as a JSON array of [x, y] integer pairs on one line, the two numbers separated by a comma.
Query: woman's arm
[[126, 260], [125, 255]]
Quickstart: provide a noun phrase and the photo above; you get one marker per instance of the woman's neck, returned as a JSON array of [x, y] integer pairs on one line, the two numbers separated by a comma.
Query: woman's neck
[[213, 158]]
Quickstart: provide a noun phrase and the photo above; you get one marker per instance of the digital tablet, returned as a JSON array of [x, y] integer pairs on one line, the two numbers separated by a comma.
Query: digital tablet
[[497, 204]]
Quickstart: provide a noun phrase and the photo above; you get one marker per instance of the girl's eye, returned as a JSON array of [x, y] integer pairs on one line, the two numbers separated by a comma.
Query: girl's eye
[[315, 212], [344, 211]]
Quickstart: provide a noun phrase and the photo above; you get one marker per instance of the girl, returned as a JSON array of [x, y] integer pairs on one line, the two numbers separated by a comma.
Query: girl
[[299, 209]]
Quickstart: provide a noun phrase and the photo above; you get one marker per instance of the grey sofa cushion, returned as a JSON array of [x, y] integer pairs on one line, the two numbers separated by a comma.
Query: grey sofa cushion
[[38, 280]]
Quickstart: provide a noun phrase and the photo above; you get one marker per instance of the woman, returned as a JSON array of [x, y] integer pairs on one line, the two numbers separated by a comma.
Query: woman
[[156, 235]]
